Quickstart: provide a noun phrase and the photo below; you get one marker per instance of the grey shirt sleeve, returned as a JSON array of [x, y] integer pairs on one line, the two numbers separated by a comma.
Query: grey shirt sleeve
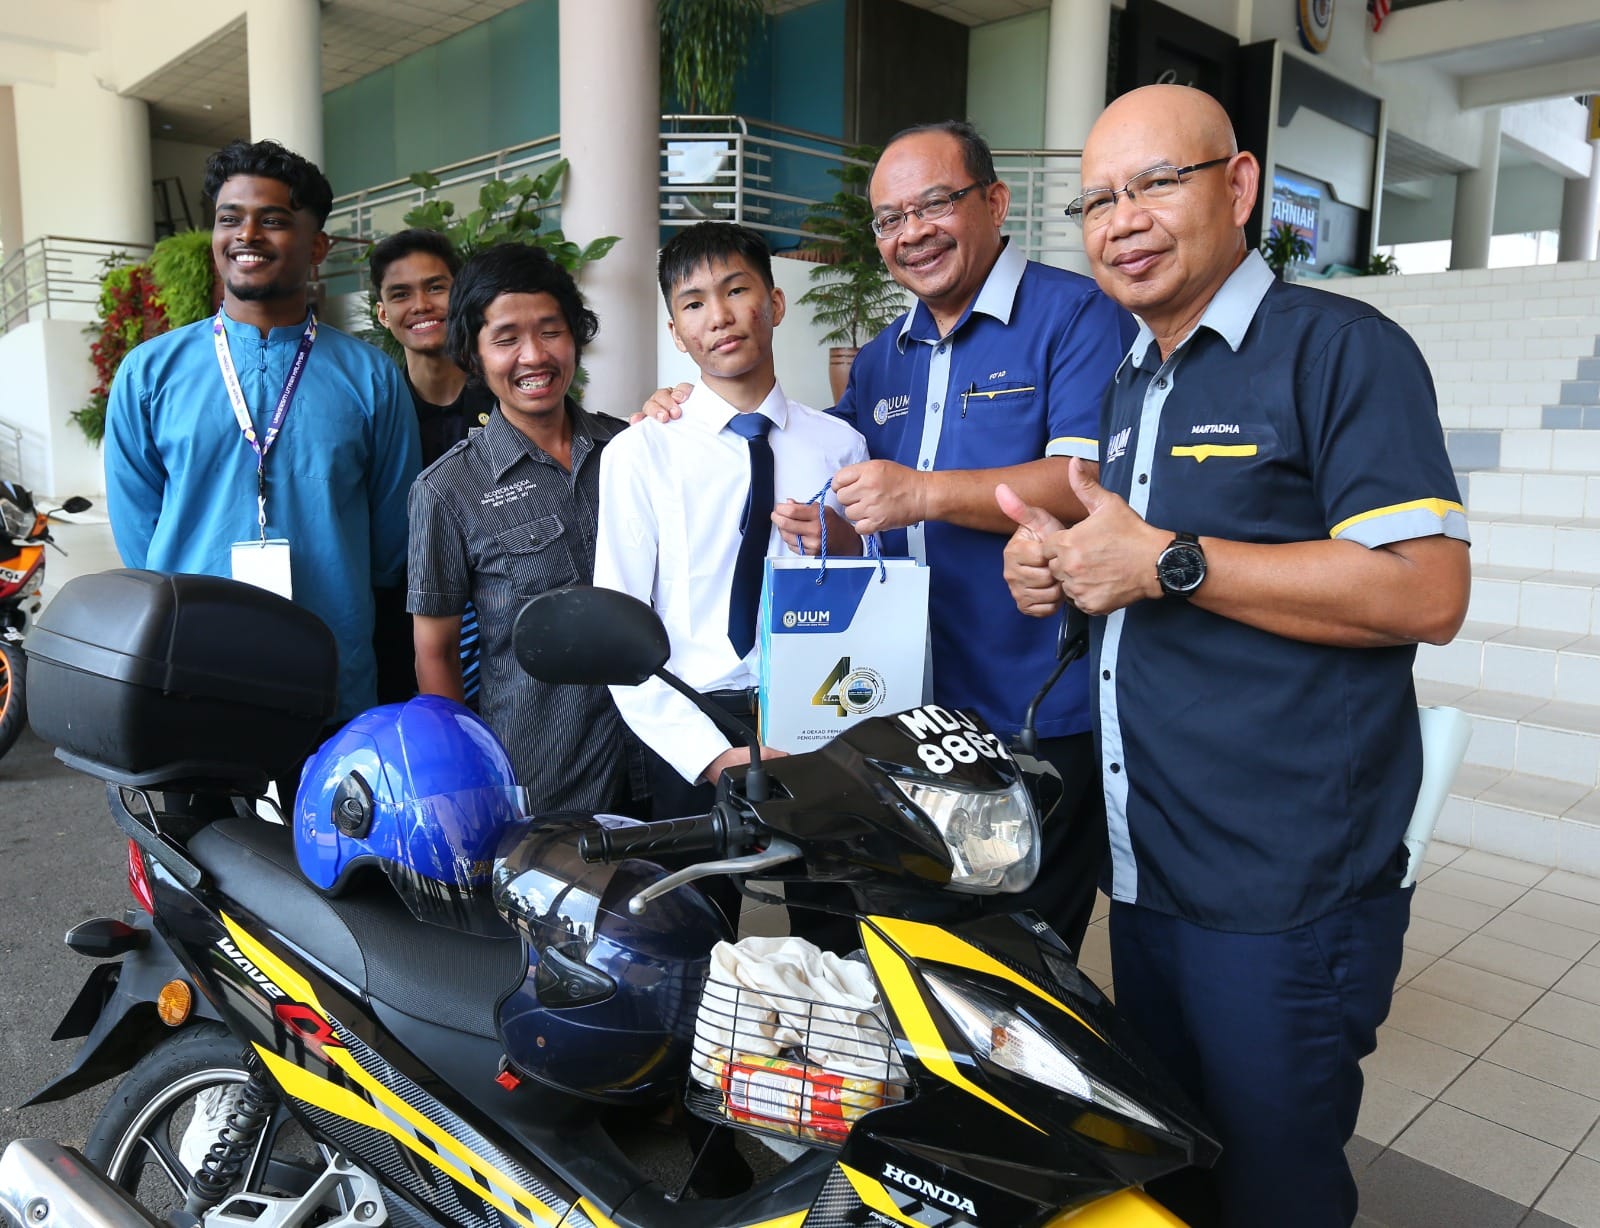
[[438, 575]]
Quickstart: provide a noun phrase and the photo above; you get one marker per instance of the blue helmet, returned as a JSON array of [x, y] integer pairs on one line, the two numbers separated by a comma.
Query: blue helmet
[[423, 790]]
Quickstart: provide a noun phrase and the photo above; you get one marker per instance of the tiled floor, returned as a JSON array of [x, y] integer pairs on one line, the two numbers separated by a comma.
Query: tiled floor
[[1483, 1098]]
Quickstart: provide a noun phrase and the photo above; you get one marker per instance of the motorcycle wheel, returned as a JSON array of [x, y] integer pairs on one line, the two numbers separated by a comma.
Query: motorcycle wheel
[[136, 1138], [13, 710]]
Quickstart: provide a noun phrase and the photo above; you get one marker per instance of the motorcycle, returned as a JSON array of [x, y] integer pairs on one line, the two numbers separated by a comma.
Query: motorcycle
[[24, 533], [389, 1070]]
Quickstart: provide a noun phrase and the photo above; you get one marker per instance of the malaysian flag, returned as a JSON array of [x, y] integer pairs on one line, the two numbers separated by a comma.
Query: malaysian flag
[[1378, 10]]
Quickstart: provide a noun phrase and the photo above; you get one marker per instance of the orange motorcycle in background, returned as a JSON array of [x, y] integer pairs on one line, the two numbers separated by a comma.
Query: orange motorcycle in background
[[24, 533]]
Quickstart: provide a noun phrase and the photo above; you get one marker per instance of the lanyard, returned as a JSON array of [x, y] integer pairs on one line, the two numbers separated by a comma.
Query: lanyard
[[241, 411]]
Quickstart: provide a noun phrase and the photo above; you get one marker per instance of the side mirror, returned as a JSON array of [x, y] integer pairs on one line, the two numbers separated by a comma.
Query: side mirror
[[589, 637], [76, 504]]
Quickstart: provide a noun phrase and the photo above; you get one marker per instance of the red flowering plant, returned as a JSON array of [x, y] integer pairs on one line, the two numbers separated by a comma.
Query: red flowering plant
[[129, 314], [139, 301]]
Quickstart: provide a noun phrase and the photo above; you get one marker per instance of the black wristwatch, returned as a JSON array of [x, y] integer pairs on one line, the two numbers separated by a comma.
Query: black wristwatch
[[1181, 568]]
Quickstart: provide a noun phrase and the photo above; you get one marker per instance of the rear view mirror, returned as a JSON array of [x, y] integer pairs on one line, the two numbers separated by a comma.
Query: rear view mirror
[[76, 504], [589, 636]]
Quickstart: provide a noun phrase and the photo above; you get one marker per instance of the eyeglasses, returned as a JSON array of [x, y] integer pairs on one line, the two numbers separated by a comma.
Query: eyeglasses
[[887, 225], [1158, 183]]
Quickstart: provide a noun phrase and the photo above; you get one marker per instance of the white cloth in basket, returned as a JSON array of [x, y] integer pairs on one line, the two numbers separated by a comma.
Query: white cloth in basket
[[765, 995]]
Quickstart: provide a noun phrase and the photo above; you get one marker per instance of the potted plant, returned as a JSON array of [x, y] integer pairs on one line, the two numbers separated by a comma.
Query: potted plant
[[704, 43], [1283, 248], [853, 296]]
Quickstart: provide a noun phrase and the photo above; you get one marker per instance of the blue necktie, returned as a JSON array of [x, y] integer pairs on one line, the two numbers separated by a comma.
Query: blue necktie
[[744, 603]]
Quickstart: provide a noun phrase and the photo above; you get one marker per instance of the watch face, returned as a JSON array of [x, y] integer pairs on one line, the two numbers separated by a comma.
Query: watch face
[[1181, 569]]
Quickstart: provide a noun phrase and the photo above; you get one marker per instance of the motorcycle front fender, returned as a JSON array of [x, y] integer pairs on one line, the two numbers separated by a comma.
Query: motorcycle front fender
[[116, 1012]]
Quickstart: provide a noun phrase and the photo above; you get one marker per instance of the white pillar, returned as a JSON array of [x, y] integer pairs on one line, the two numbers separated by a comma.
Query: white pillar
[[10, 176], [1580, 213], [1473, 225], [284, 40], [610, 132], [108, 138], [1075, 70]]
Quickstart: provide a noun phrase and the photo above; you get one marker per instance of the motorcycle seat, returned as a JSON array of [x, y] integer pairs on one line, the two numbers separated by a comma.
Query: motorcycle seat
[[366, 935]]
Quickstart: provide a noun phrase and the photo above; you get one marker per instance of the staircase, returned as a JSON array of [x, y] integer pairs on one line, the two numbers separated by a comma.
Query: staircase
[[1515, 355]]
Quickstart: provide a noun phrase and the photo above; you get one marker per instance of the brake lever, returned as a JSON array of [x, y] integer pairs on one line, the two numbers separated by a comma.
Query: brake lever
[[775, 854]]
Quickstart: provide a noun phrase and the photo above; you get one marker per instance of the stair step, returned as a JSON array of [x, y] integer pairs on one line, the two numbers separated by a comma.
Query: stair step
[[1560, 543], [1524, 733], [1533, 597], [1493, 492], [1544, 665], [1518, 814]]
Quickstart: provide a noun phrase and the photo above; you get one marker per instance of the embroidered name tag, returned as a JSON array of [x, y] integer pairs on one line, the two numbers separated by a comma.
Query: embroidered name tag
[[1204, 451]]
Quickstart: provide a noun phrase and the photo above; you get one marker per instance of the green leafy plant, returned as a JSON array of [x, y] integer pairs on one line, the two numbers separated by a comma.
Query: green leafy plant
[[1283, 247], [704, 43], [852, 294], [139, 301], [185, 276], [1382, 264]]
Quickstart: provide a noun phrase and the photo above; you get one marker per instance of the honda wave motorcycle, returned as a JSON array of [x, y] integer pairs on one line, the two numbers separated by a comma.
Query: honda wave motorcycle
[[24, 533], [389, 1070]]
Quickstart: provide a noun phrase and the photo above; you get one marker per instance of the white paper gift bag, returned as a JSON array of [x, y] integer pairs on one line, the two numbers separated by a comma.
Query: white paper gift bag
[[841, 640]]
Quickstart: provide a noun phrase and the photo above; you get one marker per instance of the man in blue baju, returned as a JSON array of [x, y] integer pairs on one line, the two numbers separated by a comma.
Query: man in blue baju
[[260, 443]]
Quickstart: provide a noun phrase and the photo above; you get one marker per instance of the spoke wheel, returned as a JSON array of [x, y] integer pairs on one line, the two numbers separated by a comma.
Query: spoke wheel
[[13, 673], [136, 1139]]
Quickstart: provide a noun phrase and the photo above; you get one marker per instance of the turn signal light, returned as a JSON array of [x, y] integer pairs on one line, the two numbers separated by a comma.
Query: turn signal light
[[174, 1003]]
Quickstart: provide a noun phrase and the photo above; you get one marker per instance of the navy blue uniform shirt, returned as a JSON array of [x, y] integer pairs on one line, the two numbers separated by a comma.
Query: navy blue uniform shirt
[[1024, 366], [1253, 782]]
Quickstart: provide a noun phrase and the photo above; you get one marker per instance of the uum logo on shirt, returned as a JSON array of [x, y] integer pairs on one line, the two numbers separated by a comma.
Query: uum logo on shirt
[[891, 407], [1118, 446]]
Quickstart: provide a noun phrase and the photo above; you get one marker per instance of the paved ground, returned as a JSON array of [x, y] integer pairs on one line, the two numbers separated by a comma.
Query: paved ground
[[61, 861]]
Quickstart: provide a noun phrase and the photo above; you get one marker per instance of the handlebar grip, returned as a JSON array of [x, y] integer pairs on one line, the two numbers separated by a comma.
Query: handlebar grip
[[701, 833]]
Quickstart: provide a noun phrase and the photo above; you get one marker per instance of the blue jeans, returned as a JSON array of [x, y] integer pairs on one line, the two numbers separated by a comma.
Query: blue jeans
[[1266, 1033]]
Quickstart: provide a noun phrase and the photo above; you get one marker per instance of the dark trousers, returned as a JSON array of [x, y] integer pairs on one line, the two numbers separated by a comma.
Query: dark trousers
[[1074, 844], [1266, 1033]]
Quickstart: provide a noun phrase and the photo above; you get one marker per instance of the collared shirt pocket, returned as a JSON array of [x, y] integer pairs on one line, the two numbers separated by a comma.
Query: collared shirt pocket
[[537, 556], [1005, 398]]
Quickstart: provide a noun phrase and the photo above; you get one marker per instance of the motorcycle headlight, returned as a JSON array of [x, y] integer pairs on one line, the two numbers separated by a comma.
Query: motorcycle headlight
[[993, 838], [999, 1035], [16, 522]]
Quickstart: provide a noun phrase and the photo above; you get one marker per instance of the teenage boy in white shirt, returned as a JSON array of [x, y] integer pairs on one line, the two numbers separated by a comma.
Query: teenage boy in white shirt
[[674, 496]]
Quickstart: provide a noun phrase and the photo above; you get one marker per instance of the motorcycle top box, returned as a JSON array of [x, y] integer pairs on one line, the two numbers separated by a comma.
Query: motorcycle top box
[[176, 681]]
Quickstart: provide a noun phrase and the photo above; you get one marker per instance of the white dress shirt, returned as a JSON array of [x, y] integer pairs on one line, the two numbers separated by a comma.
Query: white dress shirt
[[671, 498]]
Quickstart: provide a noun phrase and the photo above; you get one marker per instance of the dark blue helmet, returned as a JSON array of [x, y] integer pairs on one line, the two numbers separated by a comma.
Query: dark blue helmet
[[608, 1007], [423, 790]]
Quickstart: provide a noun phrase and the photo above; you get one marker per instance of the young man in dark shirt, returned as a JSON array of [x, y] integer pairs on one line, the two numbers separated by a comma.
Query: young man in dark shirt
[[412, 273]]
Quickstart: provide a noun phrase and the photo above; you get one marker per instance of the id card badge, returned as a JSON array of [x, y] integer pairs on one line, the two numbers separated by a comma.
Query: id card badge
[[264, 564]]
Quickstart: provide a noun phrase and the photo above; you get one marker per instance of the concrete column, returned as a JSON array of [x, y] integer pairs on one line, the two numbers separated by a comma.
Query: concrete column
[[1580, 213], [10, 176], [284, 39], [109, 139], [1473, 225], [610, 132], [1075, 70]]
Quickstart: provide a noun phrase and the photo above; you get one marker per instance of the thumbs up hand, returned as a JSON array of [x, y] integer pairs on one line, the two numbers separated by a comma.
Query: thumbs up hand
[[1028, 553], [1108, 559]]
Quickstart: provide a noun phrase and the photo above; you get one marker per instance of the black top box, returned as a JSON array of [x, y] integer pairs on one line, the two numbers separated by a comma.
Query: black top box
[[179, 681]]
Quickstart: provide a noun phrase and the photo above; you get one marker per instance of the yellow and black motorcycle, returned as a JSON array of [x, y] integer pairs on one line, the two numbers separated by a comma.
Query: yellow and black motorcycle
[[377, 1069]]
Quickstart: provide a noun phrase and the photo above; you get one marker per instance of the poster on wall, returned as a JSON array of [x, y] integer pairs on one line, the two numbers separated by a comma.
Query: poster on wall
[[1296, 203]]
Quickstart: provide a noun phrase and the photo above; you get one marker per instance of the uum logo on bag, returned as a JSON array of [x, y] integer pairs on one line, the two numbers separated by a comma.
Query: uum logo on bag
[[805, 618]]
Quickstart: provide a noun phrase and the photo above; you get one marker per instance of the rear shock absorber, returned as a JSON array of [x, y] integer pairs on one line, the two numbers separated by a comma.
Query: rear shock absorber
[[235, 1143]]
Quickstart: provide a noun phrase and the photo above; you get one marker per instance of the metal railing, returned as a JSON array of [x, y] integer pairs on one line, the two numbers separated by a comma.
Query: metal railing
[[764, 175], [10, 452], [55, 278]]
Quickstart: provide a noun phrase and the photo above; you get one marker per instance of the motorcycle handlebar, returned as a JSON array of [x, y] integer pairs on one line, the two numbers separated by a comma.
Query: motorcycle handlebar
[[701, 833]]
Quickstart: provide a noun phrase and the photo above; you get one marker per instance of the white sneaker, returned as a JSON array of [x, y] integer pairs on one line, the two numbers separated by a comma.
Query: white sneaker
[[211, 1109]]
